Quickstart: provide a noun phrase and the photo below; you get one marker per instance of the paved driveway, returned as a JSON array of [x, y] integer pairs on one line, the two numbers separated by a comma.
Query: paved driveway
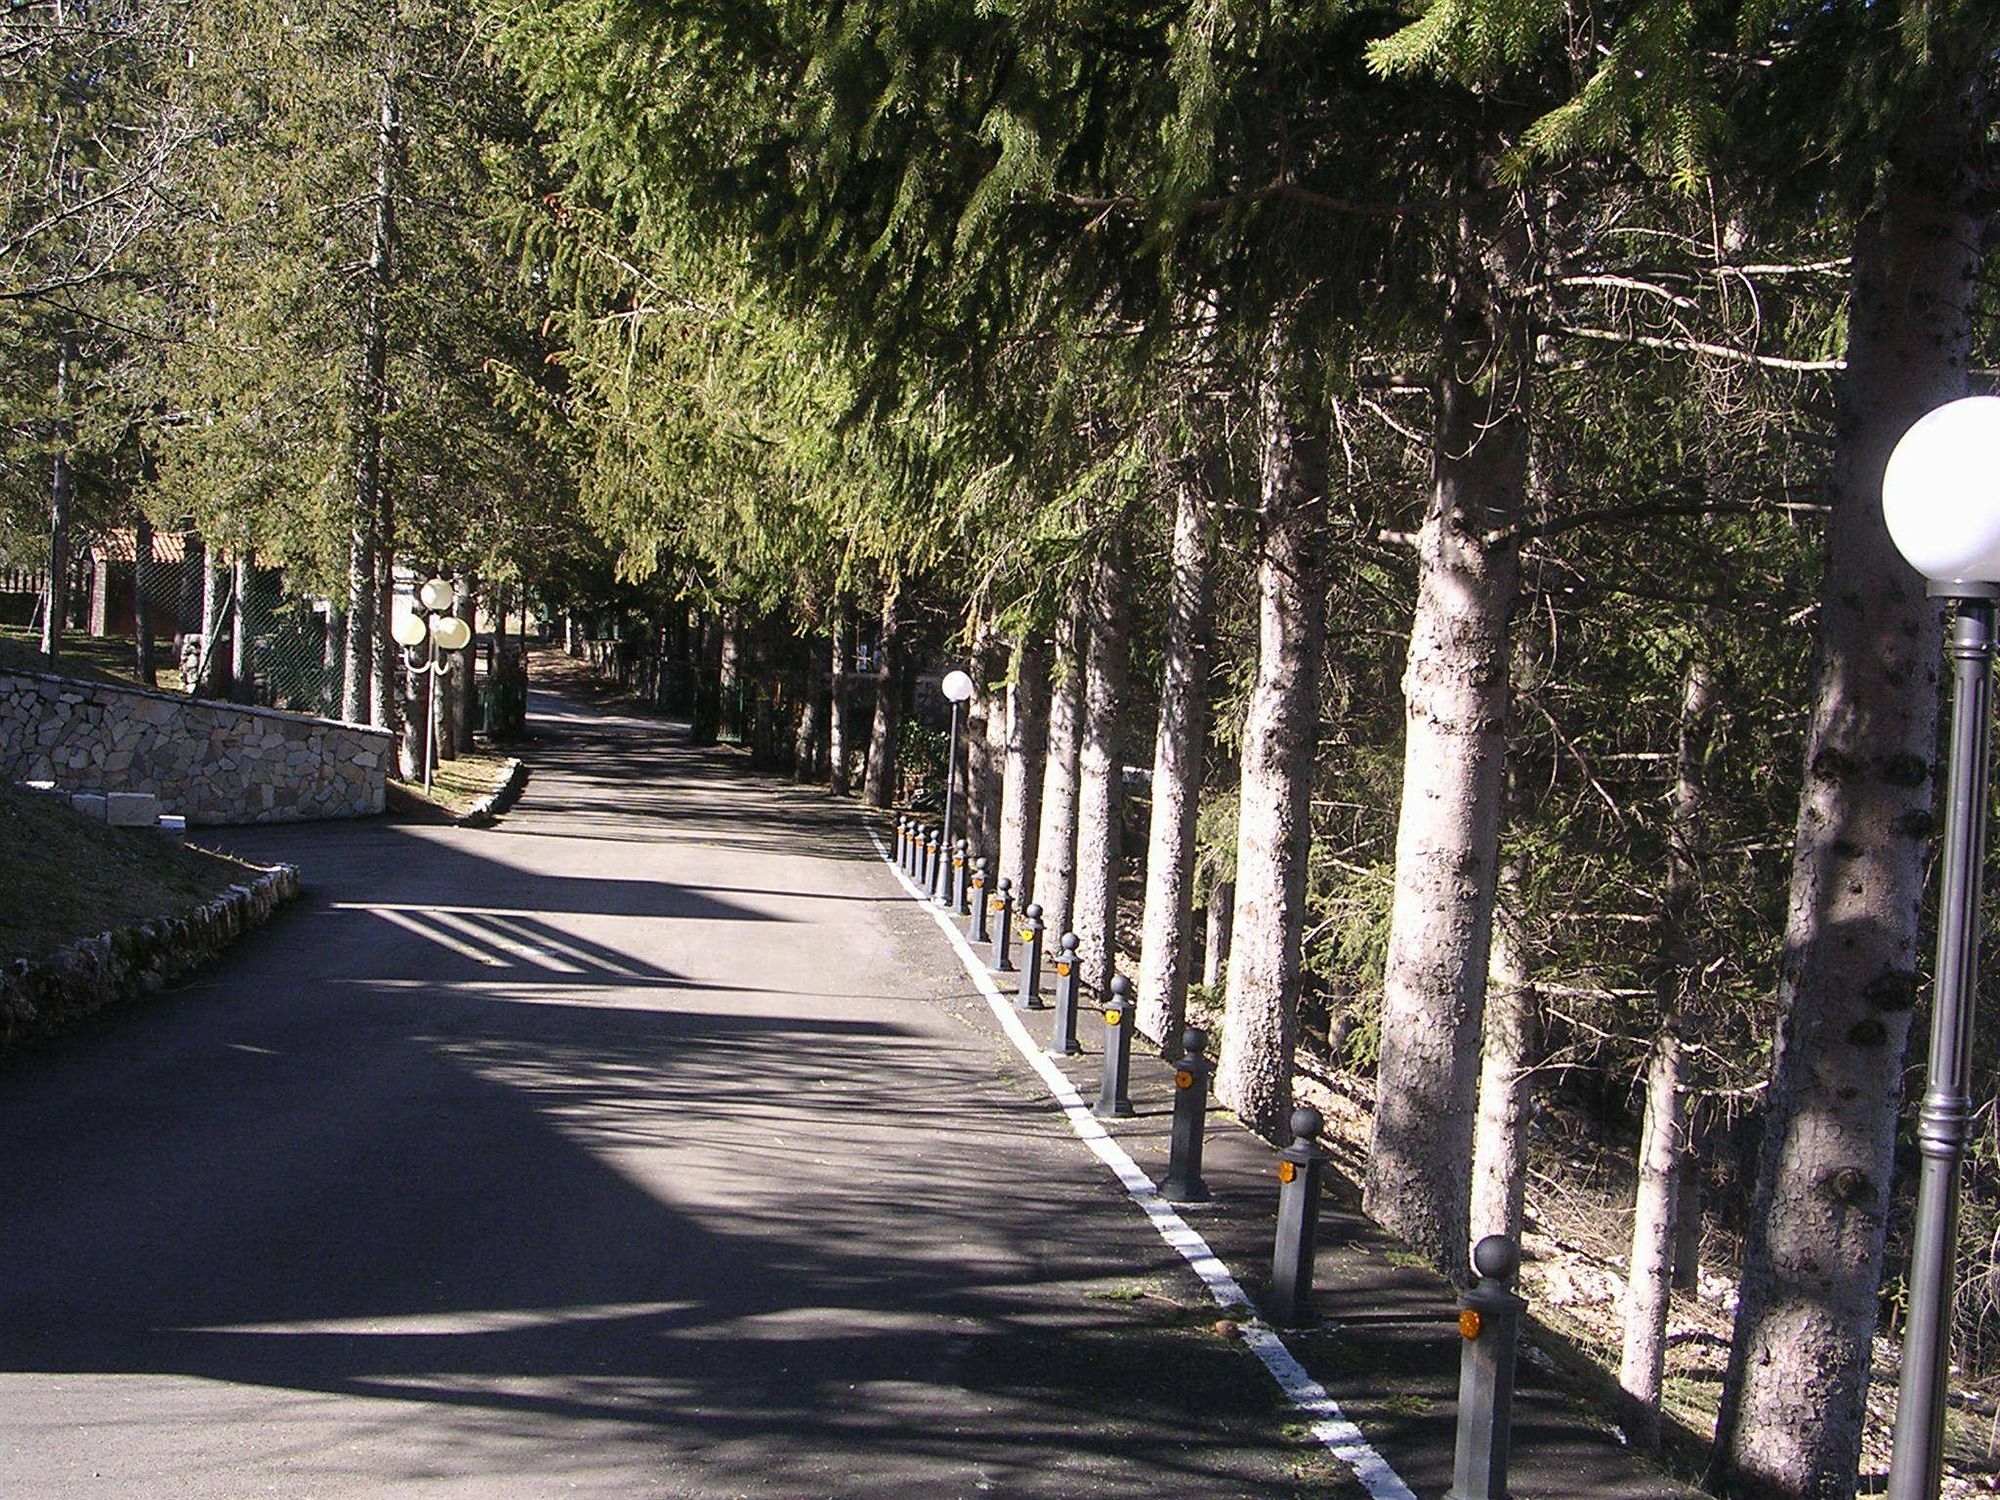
[[645, 1144]]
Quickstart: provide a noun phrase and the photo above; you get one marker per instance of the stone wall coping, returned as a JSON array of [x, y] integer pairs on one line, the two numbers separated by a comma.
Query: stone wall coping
[[185, 700]]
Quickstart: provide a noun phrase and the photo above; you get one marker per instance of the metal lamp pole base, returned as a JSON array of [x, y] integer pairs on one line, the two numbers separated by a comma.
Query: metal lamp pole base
[[1943, 1123]]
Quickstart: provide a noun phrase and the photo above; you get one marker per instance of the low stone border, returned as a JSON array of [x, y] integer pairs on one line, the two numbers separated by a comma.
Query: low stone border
[[40, 996], [497, 801]]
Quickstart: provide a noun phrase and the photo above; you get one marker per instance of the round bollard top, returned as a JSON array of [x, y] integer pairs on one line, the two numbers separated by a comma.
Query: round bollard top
[[1070, 942], [1497, 1258], [1194, 1041], [1006, 884], [1121, 990], [1307, 1123], [1034, 911]]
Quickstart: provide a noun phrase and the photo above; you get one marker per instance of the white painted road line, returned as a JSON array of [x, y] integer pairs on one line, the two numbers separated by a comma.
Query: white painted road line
[[1334, 1429]]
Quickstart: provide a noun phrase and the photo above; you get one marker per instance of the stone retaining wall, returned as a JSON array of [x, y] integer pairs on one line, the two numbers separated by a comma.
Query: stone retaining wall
[[39, 997], [210, 762]]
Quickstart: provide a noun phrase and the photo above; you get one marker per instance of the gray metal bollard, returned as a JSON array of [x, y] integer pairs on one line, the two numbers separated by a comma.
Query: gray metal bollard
[[980, 932], [1028, 993], [1064, 1043], [961, 877], [902, 842], [933, 860], [1300, 1166], [1003, 932], [1183, 1182], [1113, 1097], [1489, 1319]]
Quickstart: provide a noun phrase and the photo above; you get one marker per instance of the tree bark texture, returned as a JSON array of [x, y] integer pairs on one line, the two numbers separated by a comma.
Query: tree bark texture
[[993, 774], [144, 650], [1055, 855], [242, 661], [1107, 668], [370, 659], [1221, 921], [1253, 1074], [881, 788], [62, 495], [1455, 687], [1165, 927], [812, 704], [1793, 1398], [1663, 1138], [1021, 778], [1508, 1052], [837, 752]]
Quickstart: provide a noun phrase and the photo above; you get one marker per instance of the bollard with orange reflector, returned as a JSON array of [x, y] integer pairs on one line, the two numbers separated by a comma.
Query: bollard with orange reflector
[[1489, 1320], [979, 932], [1067, 963], [1113, 1099], [1183, 1182], [1300, 1166], [961, 866], [1003, 927], [1028, 993]]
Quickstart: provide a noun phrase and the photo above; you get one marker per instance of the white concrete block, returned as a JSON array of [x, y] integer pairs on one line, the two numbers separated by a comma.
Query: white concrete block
[[131, 809], [90, 804]]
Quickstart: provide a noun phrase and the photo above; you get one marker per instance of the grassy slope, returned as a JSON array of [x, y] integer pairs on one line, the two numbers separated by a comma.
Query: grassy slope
[[63, 877], [106, 659]]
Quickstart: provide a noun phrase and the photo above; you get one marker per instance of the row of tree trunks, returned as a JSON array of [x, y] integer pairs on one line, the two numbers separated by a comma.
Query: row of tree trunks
[[1794, 1396], [1260, 1023]]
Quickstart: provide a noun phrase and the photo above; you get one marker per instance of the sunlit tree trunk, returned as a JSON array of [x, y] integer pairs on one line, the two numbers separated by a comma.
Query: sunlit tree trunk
[[1455, 688], [1165, 928], [881, 788], [837, 751], [1055, 853], [1021, 782], [1253, 1073], [1099, 743], [1795, 1393], [62, 496]]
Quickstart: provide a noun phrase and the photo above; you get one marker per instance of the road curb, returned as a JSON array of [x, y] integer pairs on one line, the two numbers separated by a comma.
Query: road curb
[[40, 997], [497, 801]]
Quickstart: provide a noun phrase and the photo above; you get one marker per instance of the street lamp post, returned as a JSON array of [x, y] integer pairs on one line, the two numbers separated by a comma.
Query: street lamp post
[[444, 632], [958, 688], [1941, 499]]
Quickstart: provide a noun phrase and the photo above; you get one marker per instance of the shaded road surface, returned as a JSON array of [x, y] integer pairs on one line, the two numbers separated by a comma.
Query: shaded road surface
[[624, 1149]]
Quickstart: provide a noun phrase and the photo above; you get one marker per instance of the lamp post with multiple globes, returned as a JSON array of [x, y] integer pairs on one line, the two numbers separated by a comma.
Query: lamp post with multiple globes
[[1941, 500], [432, 626]]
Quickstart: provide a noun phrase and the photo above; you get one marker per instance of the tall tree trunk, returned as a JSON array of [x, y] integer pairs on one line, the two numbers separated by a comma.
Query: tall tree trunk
[[812, 703], [705, 724], [882, 735], [1455, 752], [1165, 928], [1055, 839], [242, 662], [1253, 1073], [732, 678], [1021, 783], [1794, 1395], [145, 653], [333, 660], [213, 676], [979, 785], [464, 678], [370, 659], [1099, 742], [1663, 1143], [1508, 1050], [389, 674], [62, 495], [993, 774], [838, 753]]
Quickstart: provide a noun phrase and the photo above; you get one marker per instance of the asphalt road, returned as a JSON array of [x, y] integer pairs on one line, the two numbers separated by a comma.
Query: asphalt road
[[649, 1143]]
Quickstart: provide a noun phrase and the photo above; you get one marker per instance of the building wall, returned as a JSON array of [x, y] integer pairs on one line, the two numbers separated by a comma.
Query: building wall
[[210, 762]]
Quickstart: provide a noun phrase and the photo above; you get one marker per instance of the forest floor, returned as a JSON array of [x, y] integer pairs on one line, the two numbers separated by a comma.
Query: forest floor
[[457, 785]]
